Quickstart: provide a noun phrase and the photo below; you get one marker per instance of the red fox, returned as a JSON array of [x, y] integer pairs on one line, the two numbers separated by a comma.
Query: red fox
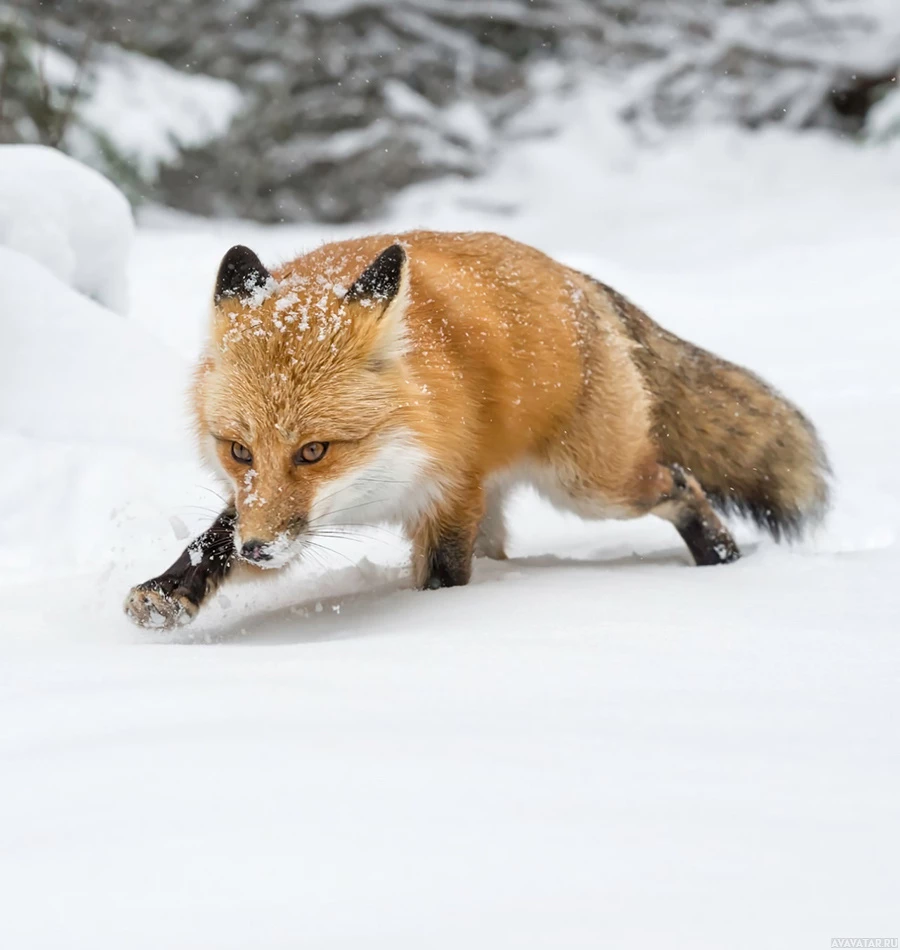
[[419, 378]]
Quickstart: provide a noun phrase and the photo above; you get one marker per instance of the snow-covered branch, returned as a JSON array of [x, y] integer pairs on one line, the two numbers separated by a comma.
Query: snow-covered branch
[[333, 105]]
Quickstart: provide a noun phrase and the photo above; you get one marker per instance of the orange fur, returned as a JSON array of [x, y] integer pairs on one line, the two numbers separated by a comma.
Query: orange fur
[[488, 364]]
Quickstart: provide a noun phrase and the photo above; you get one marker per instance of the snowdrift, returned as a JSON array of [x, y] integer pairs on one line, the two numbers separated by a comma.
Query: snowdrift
[[592, 744], [67, 217], [89, 404]]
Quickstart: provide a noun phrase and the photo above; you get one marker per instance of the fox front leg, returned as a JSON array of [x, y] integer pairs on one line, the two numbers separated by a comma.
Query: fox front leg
[[173, 598], [444, 541]]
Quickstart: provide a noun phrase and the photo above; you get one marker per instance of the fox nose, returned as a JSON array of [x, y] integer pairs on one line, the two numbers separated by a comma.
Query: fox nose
[[255, 551]]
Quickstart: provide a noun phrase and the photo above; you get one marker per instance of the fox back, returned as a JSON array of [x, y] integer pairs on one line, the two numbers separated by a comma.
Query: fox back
[[390, 378]]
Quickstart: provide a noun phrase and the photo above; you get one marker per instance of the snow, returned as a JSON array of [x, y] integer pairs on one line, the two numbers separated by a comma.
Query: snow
[[83, 396], [594, 744], [150, 110], [883, 121], [141, 107], [68, 218]]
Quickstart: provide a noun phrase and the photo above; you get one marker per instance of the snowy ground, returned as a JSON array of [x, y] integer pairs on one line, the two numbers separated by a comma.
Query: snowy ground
[[592, 745]]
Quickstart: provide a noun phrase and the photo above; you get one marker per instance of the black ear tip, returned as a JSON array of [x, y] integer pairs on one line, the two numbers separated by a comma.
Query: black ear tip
[[239, 259], [240, 273], [382, 278], [394, 253], [239, 252]]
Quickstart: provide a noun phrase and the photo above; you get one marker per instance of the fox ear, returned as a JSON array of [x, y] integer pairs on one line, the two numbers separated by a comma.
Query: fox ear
[[384, 287], [382, 280], [240, 274]]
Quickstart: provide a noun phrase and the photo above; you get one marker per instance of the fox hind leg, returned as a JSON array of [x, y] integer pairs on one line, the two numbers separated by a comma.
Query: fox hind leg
[[682, 501], [667, 491], [491, 539]]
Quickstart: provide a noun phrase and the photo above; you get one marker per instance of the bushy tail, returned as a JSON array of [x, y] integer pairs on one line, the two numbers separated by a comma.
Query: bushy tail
[[753, 452]]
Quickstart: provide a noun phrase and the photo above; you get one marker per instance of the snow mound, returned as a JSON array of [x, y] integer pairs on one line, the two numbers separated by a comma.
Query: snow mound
[[68, 218], [592, 744], [70, 368], [89, 404]]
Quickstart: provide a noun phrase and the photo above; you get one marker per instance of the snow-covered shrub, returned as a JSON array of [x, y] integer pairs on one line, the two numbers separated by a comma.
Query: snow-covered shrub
[[345, 102], [141, 111], [366, 97], [803, 63], [119, 111], [68, 218], [31, 110]]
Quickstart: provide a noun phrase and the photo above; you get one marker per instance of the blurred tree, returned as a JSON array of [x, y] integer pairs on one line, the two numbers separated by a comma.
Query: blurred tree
[[34, 106], [348, 101]]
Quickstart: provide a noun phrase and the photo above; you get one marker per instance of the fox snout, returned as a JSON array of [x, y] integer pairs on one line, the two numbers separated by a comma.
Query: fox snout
[[255, 550], [269, 549]]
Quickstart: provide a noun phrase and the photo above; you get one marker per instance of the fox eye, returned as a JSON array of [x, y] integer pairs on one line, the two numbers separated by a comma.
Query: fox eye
[[240, 453], [311, 452]]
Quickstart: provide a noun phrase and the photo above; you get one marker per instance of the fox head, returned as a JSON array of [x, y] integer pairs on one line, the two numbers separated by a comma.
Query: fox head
[[301, 400]]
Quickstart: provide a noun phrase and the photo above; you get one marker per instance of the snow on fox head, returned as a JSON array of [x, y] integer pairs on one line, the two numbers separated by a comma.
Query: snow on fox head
[[301, 400]]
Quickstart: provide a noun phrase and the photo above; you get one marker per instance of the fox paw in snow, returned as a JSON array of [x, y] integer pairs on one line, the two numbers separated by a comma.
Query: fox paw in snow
[[151, 605]]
